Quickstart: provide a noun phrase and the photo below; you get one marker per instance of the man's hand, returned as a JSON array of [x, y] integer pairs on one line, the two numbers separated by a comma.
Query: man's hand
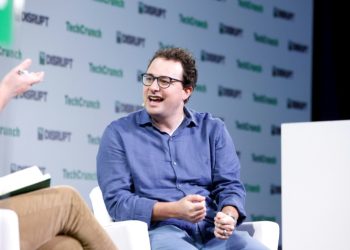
[[191, 208], [224, 226]]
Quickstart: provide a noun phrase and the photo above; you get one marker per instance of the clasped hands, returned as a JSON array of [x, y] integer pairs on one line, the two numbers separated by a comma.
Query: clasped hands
[[192, 208]]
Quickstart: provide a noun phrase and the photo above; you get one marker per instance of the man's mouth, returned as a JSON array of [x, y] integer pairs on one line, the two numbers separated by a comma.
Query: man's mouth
[[155, 98]]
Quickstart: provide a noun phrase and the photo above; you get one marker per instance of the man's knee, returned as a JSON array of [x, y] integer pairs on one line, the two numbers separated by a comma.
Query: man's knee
[[68, 192]]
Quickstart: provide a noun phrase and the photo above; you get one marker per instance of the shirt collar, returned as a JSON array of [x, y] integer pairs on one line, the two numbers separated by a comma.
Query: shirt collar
[[144, 119], [190, 119]]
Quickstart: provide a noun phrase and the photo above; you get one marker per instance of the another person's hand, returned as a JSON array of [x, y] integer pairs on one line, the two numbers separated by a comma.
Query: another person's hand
[[191, 208], [17, 81], [224, 226]]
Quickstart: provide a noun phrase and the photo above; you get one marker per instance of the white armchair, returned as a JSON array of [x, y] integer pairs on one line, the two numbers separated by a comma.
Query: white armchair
[[122, 232], [9, 231]]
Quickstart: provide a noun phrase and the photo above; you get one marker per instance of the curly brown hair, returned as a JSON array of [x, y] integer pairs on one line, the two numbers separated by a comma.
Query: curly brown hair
[[187, 61]]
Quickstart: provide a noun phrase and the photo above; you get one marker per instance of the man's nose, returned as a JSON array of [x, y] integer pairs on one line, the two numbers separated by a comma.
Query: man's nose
[[154, 84]]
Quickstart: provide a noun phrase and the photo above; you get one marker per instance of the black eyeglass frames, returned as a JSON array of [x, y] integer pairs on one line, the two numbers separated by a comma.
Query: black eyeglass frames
[[162, 81]]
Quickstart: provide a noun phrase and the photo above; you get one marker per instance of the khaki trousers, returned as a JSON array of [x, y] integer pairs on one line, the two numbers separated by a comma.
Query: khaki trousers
[[57, 218]]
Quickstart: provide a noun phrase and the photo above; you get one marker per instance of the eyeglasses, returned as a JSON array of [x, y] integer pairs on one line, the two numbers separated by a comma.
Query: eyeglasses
[[162, 81]]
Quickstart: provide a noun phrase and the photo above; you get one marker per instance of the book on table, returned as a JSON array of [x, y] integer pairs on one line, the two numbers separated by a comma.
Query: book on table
[[23, 181]]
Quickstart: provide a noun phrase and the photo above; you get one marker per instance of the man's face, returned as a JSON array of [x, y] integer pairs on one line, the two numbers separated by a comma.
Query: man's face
[[169, 102]]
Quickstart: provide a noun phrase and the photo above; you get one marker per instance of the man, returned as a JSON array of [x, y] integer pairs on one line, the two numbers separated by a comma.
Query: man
[[54, 218], [172, 167]]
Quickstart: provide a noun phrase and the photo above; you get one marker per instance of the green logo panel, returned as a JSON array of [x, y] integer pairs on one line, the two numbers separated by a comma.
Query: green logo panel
[[6, 22]]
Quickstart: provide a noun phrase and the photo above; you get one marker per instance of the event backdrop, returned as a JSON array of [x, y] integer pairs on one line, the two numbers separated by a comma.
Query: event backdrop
[[254, 60]]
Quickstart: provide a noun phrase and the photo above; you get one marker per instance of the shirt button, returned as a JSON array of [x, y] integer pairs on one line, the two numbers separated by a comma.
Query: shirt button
[[174, 163]]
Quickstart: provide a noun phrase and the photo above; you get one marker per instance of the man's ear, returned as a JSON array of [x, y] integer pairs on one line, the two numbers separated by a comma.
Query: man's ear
[[187, 93]]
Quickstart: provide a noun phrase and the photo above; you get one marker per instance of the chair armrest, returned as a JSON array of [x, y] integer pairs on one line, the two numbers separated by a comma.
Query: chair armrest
[[129, 235], [9, 230], [267, 232]]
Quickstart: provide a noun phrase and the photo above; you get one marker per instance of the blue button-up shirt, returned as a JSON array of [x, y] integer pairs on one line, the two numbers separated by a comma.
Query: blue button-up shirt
[[138, 165]]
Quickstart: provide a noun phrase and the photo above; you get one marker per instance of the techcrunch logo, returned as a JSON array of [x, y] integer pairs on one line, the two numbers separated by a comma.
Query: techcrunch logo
[[201, 88], [293, 46], [126, 108], [105, 70], [264, 159], [234, 93], [93, 140], [116, 3], [10, 132], [165, 46], [83, 30], [230, 30], [293, 104], [252, 188], [210, 57], [275, 130], [283, 14], [81, 102], [35, 19], [265, 99], [33, 95], [262, 217], [53, 135], [248, 127], [79, 175], [130, 40], [16, 167], [47, 59], [251, 6], [275, 189], [266, 40], [249, 66], [10, 53], [193, 21], [151, 10], [279, 72]]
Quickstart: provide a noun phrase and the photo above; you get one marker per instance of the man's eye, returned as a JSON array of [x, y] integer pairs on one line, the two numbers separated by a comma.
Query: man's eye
[[163, 80]]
